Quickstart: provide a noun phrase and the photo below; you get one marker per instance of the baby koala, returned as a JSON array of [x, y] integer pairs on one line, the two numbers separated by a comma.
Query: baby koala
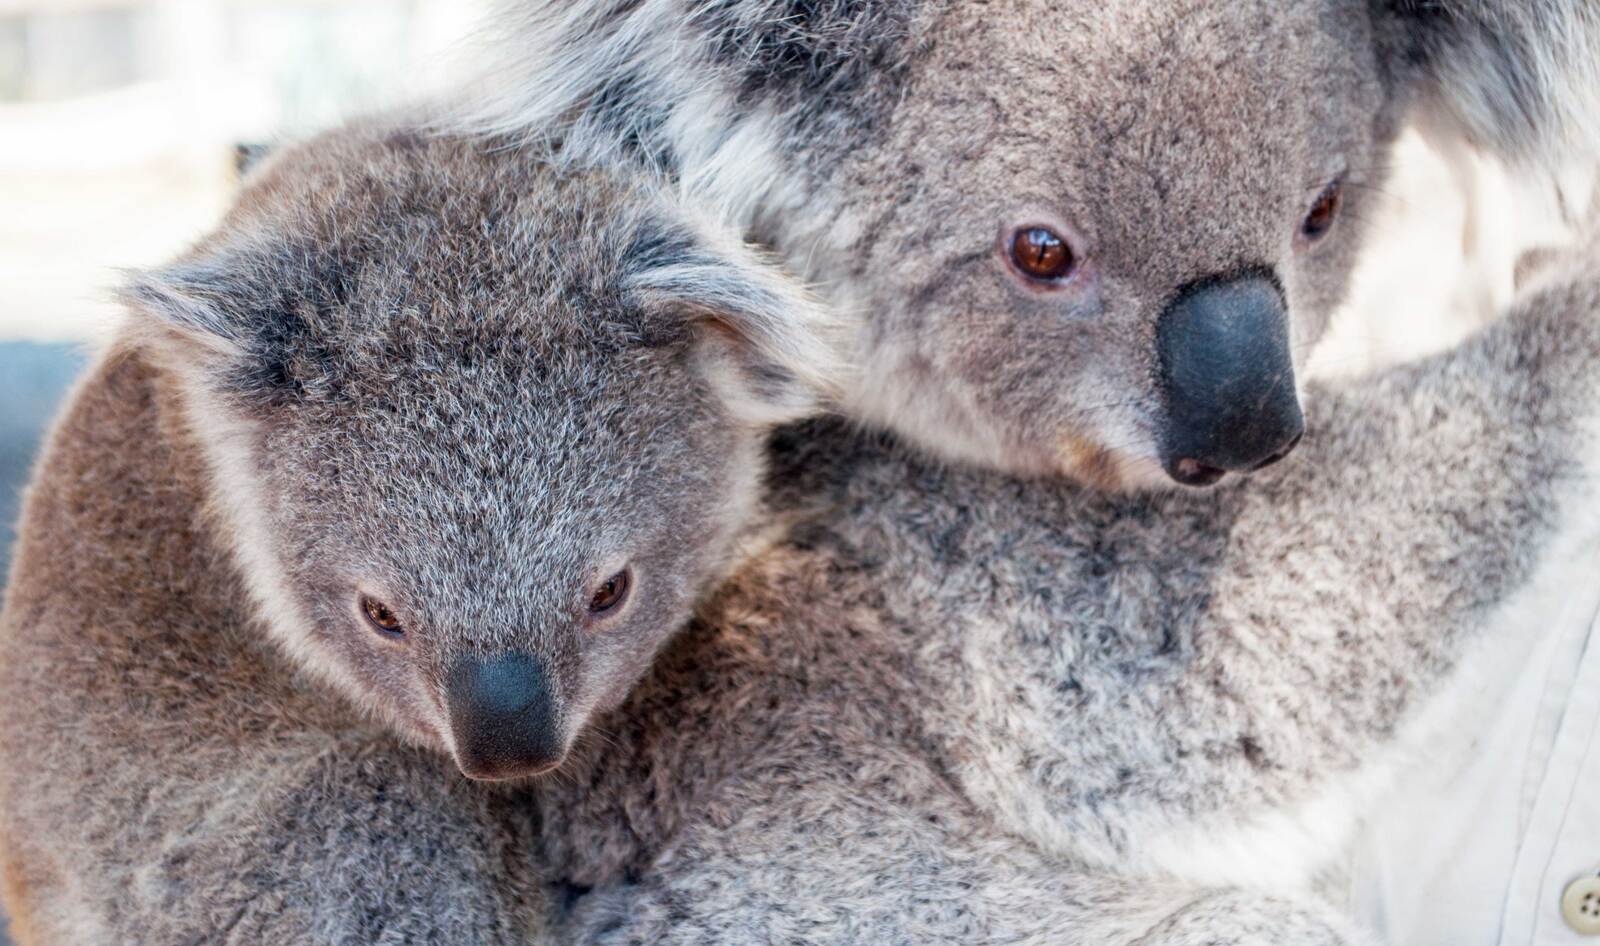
[[478, 431]]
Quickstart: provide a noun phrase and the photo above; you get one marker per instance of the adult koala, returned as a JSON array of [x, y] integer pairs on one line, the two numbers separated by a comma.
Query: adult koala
[[1085, 238], [1079, 241]]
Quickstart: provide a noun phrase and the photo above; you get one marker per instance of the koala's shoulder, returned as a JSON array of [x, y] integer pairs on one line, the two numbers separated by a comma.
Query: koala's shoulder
[[110, 484]]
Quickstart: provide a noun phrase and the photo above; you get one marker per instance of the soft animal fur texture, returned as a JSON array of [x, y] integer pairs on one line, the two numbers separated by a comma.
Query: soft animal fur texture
[[921, 717], [953, 695], [926, 717], [888, 148], [405, 368]]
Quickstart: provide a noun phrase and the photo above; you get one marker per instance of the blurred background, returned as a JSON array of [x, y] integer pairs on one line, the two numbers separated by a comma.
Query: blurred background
[[120, 122]]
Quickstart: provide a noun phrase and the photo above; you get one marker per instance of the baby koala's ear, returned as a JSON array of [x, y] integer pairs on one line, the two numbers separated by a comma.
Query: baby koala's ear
[[772, 350], [192, 308], [1518, 78], [230, 311]]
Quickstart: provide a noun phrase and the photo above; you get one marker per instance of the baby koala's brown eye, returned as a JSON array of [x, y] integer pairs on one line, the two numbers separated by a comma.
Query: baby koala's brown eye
[[611, 593], [1319, 220], [382, 618], [1041, 253]]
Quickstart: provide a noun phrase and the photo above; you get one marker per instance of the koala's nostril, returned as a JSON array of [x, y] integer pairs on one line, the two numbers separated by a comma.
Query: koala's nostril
[[505, 716], [1191, 472]]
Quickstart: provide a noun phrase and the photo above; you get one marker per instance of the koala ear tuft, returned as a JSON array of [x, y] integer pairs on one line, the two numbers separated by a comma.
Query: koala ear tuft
[[237, 304], [771, 349], [185, 305], [1517, 78]]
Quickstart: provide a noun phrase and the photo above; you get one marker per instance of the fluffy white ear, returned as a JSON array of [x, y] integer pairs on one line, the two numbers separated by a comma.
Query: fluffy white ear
[[1518, 78], [772, 349]]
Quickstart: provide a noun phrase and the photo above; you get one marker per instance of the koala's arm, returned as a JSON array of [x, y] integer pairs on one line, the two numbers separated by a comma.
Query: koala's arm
[[1062, 909], [1427, 494], [377, 844], [705, 898], [840, 862], [356, 845]]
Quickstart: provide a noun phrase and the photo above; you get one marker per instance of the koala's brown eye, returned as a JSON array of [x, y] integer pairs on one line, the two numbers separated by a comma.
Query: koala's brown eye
[[1319, 220], [382, 618], [611, 593], [1041, 253]]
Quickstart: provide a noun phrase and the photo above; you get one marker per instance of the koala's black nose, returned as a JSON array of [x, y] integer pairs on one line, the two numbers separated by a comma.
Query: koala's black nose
[[504, 716], [1227, 376]]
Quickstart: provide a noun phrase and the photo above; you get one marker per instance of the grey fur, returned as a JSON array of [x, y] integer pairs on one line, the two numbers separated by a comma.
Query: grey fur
[[427, 370], [883, 147], [936, 713], [1093, 674], [1517, 78], [947, 668]]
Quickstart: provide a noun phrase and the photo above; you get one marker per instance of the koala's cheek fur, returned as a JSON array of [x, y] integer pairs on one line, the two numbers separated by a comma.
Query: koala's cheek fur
[[248, 516], [272, 535]]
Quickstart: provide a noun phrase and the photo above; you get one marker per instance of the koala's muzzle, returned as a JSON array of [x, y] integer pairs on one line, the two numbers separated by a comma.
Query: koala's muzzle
[[504, 716], [1227, 377]]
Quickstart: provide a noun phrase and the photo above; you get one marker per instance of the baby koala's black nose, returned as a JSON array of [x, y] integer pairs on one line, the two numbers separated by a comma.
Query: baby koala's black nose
[[504, 716], [1227, 376]]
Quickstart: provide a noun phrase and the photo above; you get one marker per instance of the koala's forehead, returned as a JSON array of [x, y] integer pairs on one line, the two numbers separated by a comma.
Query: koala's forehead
[[499, 415], [1128, 80], [377, 261], [501, 477], [447, 337], [1091, 48], [1136, 121], [377, 221]]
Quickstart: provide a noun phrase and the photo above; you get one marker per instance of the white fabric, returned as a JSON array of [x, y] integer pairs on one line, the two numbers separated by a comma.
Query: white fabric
[[1479, 853]]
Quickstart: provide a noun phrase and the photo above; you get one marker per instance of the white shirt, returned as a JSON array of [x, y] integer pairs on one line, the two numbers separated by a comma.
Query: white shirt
[[1480, 853]]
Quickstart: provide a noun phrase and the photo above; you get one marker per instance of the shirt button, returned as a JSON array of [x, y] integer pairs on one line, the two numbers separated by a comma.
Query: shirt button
[[1580, 905]]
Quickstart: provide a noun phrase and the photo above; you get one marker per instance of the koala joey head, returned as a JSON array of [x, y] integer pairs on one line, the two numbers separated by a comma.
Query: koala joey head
[[1100, 238], [479, 430]]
